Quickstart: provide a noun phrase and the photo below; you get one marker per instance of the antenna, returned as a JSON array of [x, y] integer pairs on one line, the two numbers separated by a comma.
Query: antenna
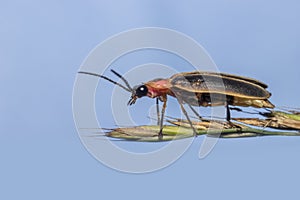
[[123, 79], [129, 89]]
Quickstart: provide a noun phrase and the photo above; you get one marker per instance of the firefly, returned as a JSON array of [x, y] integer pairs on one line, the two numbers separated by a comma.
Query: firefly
[[198, 88]]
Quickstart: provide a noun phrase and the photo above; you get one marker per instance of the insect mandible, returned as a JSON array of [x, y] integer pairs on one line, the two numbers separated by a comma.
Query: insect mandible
[[198, 88]]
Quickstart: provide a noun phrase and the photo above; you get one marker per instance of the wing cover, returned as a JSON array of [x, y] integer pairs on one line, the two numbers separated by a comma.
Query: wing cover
[[211, 82]]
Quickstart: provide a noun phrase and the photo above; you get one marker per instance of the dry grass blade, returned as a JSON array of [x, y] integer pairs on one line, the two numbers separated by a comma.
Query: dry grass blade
[[180, 129], [275, 119]]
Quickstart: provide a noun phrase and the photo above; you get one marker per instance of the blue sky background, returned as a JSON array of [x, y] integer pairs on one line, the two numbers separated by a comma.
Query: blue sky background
[[42, 46]]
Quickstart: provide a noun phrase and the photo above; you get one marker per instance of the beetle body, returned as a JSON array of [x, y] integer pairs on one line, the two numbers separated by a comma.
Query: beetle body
[[199, 89]]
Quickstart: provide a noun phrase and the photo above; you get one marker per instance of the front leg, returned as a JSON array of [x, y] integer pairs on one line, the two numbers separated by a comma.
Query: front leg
[[161, 125], [157, 111]]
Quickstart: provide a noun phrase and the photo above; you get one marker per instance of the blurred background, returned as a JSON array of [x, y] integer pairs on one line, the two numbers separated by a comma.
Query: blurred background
[[43, 44]]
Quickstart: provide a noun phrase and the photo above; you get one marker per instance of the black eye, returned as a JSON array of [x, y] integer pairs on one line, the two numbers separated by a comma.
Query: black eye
[[141, 91]]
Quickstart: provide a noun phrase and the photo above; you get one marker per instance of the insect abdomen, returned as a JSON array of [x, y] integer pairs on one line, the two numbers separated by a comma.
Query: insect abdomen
[[258, 103], [216, 99]]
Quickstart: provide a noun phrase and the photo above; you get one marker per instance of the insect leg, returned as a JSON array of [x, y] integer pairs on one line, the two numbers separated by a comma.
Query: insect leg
[[161, 125], [157, 111], [186, 115], [228, 117], [195, 112]]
